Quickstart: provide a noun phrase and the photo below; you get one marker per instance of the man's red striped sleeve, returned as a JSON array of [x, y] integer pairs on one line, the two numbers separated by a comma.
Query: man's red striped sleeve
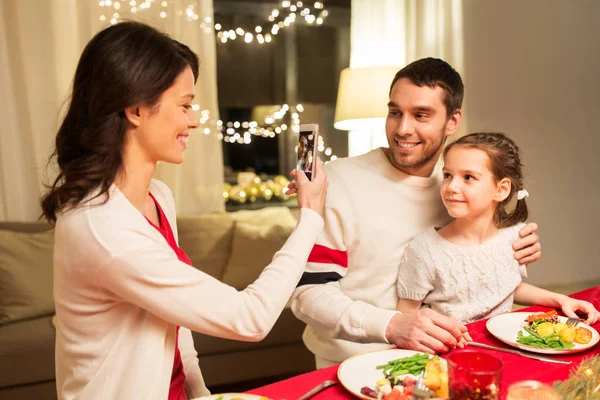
[[326, 255]]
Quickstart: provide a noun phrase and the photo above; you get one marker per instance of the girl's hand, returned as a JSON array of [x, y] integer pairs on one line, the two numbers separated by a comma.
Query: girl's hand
[[311, 194], [569, 306]]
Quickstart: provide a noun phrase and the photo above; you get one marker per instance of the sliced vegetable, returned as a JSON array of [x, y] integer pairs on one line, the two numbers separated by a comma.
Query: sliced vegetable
[[545, 329], [559, 327], [568, 334], [541, 316]]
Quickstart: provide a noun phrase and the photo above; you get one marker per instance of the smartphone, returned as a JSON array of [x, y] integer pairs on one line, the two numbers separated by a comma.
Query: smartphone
[[307, 146]]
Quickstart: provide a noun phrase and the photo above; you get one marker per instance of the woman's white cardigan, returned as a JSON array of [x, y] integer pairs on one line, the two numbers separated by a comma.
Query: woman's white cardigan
[[120, 291]]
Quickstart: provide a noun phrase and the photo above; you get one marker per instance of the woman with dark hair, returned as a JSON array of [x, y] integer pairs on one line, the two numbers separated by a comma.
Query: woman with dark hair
[[126, 296]]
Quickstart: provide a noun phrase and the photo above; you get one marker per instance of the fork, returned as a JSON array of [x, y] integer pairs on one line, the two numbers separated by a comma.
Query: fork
[[317, 389], [421, 391], [573, 322]]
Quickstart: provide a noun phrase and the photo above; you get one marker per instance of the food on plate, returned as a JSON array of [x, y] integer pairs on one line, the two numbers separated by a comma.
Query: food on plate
[[402, 389], [583, 335], [558, 327], [406, 365], [546, 331], [436, 377], [567, 334], [550, 316], [399, 381]]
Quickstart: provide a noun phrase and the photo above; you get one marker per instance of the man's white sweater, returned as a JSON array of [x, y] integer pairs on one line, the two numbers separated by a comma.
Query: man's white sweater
[[120, 291], [347, 294]]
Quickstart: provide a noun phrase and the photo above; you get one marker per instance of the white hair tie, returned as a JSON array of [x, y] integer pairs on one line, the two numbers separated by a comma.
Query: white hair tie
[[521, 194]]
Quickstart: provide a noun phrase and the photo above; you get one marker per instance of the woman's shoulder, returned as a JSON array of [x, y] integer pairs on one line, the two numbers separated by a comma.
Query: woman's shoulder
[[164, 197], [97, 211], [108, 215], [160, 189]]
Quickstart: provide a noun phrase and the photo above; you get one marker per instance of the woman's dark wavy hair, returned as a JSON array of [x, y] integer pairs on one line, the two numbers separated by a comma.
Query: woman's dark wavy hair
[[124, 65], [505, 162]]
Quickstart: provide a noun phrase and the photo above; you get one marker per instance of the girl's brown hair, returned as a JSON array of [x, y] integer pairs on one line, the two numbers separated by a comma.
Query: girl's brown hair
[[505, 162]]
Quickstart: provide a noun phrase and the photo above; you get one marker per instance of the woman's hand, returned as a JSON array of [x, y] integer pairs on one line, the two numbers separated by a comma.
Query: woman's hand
[[311, 194], [570, 305]]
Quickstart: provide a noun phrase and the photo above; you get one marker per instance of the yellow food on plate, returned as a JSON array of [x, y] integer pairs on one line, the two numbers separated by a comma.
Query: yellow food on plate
[[583, 335], [559, 326], [436, 377], [567, 334], [545, 329]]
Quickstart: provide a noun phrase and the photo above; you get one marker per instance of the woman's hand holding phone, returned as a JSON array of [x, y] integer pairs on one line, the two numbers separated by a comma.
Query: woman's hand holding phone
[[311, 194]]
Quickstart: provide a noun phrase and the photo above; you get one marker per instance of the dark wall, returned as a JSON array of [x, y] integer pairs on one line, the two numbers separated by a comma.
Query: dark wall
[[318, 73], [250, 74]]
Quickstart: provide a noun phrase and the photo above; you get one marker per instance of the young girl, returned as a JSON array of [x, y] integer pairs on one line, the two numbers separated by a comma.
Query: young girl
[[466, 269]]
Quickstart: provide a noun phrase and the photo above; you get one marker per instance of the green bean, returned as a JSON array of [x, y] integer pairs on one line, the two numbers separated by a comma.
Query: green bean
[[413, 365], [400, 372], [552, 341]]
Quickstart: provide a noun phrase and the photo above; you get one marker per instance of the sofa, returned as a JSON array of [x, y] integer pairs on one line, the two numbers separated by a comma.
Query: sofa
[[231, 246]]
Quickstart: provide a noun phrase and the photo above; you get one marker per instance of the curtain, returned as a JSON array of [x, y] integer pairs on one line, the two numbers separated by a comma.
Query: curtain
[[397, 32], [40, 45]]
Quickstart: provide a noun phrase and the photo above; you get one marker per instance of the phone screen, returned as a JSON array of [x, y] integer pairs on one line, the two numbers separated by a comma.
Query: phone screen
[[306, 152]]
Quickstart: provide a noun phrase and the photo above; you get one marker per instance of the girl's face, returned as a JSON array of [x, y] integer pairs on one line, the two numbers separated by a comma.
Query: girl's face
[[165, 127], [469, 189]]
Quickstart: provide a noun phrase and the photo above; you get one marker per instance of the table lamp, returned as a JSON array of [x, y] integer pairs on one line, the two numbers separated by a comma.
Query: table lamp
[[362, 98], [361, 106]]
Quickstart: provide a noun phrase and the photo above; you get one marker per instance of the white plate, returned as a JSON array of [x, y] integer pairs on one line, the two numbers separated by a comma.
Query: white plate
[[359, 371], [505, 327], [230, 396]]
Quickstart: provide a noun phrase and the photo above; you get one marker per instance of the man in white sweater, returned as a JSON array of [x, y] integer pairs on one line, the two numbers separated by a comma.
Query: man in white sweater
[[376, 204]]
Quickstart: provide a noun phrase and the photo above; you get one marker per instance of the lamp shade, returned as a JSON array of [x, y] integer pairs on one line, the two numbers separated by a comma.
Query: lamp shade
[[362, 98]]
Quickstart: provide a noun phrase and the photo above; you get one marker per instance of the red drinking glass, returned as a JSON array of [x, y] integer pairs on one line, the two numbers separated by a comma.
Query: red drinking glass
[[473, 375]]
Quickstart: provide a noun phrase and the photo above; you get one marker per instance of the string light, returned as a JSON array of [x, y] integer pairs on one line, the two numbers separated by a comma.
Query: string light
[[279, 18], [236, 132], [140, 6]]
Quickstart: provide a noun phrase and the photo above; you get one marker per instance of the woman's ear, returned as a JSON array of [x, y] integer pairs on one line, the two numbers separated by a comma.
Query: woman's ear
[[503, 189], [133, 115]]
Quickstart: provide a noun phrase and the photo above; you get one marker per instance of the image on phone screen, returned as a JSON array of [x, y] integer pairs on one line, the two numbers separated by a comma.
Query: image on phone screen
[[306, 152]]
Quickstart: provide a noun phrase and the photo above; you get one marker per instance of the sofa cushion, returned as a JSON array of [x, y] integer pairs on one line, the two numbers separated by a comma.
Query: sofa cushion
[[27, 352], [265, 216], [25, 275], [253, 248], [206, 239]]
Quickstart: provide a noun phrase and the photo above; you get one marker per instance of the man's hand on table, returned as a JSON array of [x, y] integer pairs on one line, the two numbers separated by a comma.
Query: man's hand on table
[[528, 248], [426, 331]]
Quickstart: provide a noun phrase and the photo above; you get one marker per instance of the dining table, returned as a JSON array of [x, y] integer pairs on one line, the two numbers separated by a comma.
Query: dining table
[[515, 367]]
